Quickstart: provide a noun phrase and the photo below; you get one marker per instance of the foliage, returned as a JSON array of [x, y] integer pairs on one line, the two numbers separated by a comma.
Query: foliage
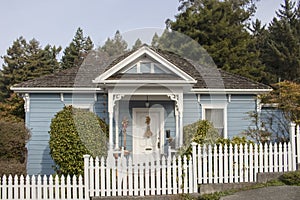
[[137, 44], [257, 131], [116, 46], [13, 137], [25, 61], [281, 48], [286, 96], [291, 178], [73, 133], [12, 109], [203, 132], [220, 27], [12, 167], [77, 50]]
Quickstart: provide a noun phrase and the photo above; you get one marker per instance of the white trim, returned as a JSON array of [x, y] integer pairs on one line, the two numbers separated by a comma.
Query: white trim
[[54, 90], [217, 106], [231, 91], [149, 81], [140, 52]]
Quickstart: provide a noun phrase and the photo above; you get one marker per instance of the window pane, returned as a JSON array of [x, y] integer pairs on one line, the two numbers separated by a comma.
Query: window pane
[[216, 116], [132, 70], [145, 67]]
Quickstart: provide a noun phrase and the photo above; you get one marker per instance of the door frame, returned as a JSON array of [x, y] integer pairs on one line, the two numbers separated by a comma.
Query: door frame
[[162, 126]]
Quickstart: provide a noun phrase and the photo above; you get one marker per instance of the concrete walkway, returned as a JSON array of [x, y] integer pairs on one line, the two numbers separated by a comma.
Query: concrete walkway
[[267, 193]]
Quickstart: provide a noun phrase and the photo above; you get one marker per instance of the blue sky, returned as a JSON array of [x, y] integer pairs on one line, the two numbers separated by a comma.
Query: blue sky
[[55, 21]]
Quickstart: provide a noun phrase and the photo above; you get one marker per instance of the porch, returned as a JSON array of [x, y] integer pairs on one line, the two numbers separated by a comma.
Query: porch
[[132, 114]]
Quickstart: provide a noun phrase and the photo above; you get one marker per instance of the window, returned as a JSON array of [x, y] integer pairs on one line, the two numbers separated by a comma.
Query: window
[[217, 115], [146, 67]]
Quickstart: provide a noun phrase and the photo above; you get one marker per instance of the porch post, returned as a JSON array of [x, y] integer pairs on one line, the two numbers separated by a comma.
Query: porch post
[[110, 116], [176, 127], [180, 109], [117, 124]]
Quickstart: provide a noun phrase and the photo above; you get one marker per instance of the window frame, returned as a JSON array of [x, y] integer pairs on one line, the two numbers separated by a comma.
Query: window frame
[[217, 106]]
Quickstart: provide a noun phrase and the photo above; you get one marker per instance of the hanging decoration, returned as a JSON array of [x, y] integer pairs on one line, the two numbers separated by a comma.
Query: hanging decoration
[[124, 129], [148, 132]]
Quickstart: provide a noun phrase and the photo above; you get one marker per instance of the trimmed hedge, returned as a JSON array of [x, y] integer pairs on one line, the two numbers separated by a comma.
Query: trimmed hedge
[[73, 133]]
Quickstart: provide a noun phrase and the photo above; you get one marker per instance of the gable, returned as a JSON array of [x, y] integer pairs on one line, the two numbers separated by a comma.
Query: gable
[[147, 66]]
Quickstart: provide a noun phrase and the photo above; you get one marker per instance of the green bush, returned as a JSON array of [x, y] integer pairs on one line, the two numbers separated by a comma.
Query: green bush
[[73, 133], [13, 137], [13, 153], [291, 178], [203, 132]]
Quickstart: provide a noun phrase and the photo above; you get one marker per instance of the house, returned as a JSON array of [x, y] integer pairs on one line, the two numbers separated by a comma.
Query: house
[[155, 91]]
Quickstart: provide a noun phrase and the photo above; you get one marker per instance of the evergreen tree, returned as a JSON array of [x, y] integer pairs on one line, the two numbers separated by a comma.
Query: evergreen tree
[[77, 50], [115, 46], [220, 27], [282, 52], [137, 44], [154, 41], [25, 61]]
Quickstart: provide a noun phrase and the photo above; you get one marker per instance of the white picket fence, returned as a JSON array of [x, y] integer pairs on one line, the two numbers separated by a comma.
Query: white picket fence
[[122, 177], [167, 175], [42, 188]]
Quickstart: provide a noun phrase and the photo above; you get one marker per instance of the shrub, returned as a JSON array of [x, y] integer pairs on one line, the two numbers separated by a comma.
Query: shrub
[[291, 178], [73, 133], [203, 132], [13, 137]]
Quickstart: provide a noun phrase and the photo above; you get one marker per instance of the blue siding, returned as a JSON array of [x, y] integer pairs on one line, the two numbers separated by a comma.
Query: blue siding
[[238, 113], [43, 108], [191, 109]]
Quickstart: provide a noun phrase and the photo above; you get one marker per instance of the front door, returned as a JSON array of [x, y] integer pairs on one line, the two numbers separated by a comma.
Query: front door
[[148, 124]]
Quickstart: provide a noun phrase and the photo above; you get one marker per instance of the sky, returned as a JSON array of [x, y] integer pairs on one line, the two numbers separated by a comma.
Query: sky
[[56, 21]]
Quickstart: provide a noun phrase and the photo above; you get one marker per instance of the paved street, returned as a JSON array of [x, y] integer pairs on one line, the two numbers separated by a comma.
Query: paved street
[[267, 193]]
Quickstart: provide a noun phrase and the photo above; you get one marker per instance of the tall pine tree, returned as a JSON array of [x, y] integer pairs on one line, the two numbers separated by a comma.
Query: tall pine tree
[[220, 27], [25, 61], [115, 46], [282, 52], [77, 50]]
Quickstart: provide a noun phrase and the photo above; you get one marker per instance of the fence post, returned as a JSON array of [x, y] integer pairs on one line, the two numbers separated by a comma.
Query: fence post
[[194, 156], [292, 140], [86, 177], [298, 146]]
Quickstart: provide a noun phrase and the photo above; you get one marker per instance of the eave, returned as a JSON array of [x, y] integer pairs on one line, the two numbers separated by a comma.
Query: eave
[[230, 91]]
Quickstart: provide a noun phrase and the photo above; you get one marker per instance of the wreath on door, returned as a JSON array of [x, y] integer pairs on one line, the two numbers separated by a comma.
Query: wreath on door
[[148, 132]]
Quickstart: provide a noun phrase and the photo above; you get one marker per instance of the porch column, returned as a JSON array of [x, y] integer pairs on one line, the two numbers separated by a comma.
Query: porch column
[[117, 124], [178, 98], [110, 116], [176, 127], [180, 110]]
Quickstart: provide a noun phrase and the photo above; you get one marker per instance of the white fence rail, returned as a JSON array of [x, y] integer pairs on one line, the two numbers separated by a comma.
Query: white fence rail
[[171, 175], [121, 177], [42, 188], [240, 163]]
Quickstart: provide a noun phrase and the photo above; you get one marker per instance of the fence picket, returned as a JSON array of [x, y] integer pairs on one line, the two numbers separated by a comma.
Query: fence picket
[[168, 175]]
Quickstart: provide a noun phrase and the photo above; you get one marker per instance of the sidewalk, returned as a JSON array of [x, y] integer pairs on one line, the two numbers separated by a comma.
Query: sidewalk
[[267, 193]]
